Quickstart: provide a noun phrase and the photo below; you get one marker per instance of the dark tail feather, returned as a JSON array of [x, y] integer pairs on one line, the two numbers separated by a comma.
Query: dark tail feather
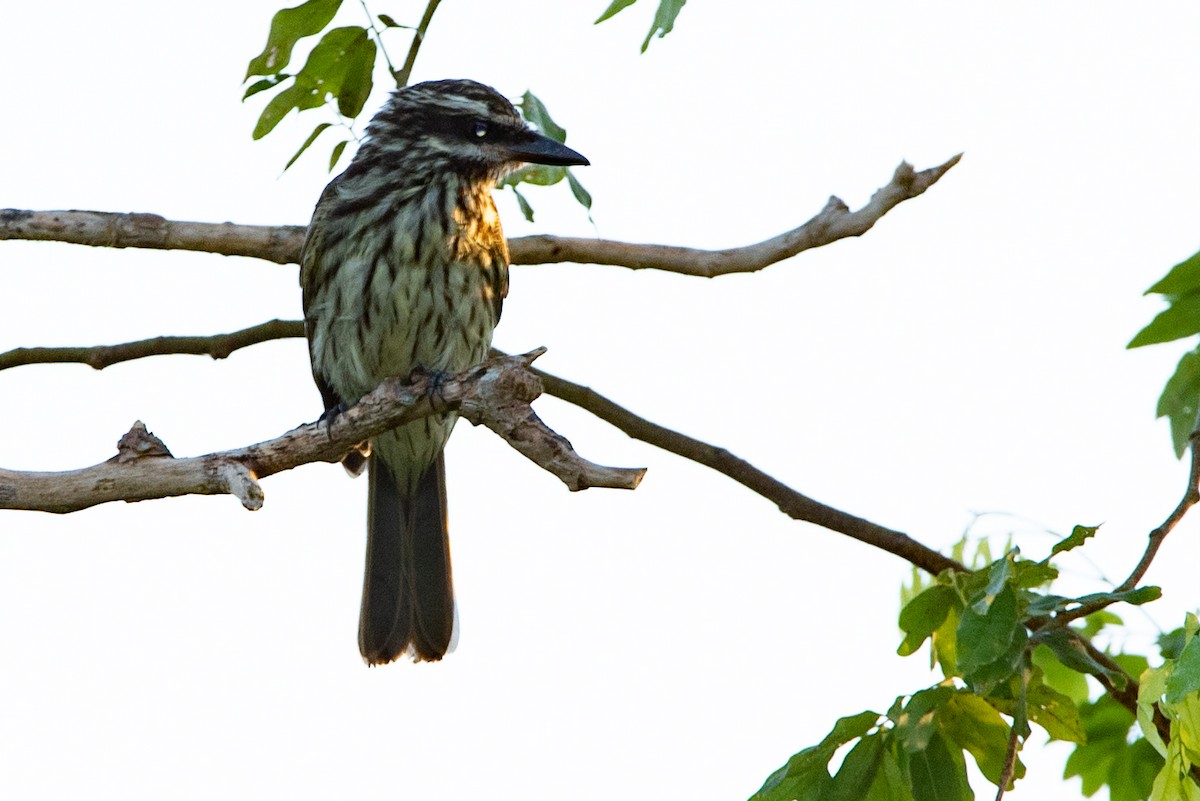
[[407, 595]]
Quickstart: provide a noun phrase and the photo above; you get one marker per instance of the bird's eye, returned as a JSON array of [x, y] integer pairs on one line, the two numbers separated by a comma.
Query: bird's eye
[[481, 129]]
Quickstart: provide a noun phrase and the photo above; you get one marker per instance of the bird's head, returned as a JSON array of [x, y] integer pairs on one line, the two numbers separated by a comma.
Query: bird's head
[[459, 126]]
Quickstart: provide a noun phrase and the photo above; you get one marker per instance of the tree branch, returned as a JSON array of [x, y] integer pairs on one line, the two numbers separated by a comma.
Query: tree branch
[[834, 222], [218, 346], [1191, 496], [790, 502], [278, 243], [281, 243], [402, 77], [495, 394]]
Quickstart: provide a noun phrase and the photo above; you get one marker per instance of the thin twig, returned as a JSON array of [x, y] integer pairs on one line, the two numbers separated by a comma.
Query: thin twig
[[1191, 497], [792, 503], [378, 38], [405, 73], [1010, 764], [281, 243], [218, 346]]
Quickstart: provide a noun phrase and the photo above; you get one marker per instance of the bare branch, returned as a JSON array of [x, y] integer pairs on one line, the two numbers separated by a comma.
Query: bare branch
[[402, 77], [1191, 496], [278, 243], [790, 502], [218, 346], [834, 222], [281, 244], [495, 394]]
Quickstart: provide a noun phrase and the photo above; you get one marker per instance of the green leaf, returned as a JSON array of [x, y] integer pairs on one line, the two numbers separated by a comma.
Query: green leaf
[[1185, 679], [971, 723], [359, 61], [1045, 604], [536, 174], [293, 97], [1136, 597], [340, 66], [1173, 782], [583, 197], [923, 615], [805, 775], [1068, 650], [388, 22], [526, 209], [1180, 319], [916, 724], [534, 111], [984, 638], [939, 773], [337, 154], [1182, 279], [1171, 644], [1108, 758], [1079, 535], [1178, 402], [265, 84], [1132, 664], [997, 580], [664, 20], [613, 9], [990, 677], [1055, 712], [1027, 575], [1068, 681], [945, 644], [891, 783], [858, 770], [312, 137], [288, 26], [1187, 726], [1152, 686], [1096, 621]]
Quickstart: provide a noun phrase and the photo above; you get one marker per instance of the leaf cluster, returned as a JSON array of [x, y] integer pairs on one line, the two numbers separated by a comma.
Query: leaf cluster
[[339, 73], [1007, 661], [1180, 399], [338, 70], [664, 17]]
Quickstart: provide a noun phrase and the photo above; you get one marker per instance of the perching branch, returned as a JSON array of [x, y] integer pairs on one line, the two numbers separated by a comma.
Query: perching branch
[[495, 394], [281, 243], [790, 502]]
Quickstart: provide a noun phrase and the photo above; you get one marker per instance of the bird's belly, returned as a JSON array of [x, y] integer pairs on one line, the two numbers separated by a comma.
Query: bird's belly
[[437, 319]]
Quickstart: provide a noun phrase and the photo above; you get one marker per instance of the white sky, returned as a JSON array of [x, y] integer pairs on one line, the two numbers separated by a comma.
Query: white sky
[[680, 641]]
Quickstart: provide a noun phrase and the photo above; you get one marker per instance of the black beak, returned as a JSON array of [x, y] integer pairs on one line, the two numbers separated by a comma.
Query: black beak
[[540, 149]]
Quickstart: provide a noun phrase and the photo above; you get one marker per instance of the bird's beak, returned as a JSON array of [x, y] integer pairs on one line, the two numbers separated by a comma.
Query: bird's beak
[[544, 150]]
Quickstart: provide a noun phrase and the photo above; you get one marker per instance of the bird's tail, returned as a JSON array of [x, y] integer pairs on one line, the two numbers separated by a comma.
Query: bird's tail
[[408, 598]]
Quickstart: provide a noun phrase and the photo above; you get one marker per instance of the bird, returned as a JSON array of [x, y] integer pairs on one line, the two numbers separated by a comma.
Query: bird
[[404, 271]]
